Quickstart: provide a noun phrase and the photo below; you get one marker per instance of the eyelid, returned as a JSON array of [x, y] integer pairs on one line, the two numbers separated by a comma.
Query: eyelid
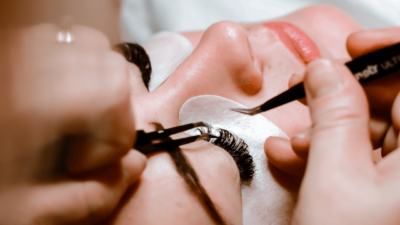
[[236, 147]]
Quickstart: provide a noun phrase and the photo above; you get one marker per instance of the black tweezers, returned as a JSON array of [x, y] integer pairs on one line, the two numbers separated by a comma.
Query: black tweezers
[[148, 143]]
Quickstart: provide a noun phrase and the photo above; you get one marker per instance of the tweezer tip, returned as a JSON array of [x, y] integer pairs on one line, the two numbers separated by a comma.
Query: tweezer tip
[[199, 124], [212, 136], [250, 112], [205, 136]]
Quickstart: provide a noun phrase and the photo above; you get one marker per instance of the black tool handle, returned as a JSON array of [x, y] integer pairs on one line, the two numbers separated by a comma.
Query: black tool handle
[[293, 93], [376, 64], [365, 69]]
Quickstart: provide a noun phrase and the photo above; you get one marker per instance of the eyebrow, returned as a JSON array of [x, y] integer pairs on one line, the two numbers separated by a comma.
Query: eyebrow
[[186, 171], [189, 175], [137, 55]]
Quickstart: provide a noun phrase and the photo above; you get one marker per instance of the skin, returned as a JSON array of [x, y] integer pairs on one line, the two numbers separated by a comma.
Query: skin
[[50, 91], [243, 62], [381, 95], [358, 190]]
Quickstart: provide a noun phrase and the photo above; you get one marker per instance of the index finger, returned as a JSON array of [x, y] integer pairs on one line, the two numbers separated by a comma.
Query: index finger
[[367, 41], [339, 112]]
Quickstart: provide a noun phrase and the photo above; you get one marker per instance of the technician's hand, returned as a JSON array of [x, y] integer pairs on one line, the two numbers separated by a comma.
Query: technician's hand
[[342, 185], [66, 127], [381, 94], [291, 156]]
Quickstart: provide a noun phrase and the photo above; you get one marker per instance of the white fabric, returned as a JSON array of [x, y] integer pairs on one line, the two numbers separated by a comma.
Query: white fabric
[[141, 19], [166, 51]]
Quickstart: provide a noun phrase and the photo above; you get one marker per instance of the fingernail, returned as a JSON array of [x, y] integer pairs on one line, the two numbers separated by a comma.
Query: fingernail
[[297, 75], [322, 79], [302, 134], [295, 79]]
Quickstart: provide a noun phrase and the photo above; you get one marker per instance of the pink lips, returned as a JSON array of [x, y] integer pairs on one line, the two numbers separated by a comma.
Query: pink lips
[[295, 40]]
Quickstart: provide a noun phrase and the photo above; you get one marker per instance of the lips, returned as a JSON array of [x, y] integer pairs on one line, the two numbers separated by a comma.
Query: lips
[[295, 40]]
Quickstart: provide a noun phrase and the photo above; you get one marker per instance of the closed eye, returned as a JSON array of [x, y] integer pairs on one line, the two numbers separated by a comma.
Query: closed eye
[[236, 147]]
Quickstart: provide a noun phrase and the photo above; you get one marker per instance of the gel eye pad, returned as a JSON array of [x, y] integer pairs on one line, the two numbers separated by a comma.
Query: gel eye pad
[[264, 200], [166, 51]]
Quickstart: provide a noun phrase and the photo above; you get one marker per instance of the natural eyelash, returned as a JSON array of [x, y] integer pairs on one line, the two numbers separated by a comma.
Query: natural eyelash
[[236, 147]]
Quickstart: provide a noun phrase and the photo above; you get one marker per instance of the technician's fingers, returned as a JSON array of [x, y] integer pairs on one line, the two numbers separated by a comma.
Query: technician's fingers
[[366, 41], [378, 127], [87, 37], [339, 137], [82, 91], [280, 153], [391, 141], [380, 93], [87, 201], [295, 79], [301, 143], [110, 138], [390, 166], [134, 163], [106, 120]]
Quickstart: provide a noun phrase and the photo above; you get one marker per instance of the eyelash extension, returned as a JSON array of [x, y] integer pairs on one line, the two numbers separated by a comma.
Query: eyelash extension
[[136, 54], [236, 147]]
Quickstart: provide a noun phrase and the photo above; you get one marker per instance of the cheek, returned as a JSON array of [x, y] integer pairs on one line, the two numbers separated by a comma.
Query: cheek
[[291, 118], [161, 197], [220, 177], [280, 66]]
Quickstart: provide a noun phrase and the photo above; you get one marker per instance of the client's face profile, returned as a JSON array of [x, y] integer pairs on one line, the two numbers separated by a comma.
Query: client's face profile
[[247, 63]]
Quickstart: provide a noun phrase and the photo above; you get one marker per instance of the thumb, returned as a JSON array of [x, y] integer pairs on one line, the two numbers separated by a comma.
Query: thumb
[[339, 112]]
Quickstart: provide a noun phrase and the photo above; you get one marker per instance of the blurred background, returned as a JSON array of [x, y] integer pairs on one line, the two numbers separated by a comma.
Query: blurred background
[[141, 19]]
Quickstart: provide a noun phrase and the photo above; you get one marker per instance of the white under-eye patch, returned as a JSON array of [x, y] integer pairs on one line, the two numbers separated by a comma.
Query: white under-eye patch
[[264, 200], [166, 51]]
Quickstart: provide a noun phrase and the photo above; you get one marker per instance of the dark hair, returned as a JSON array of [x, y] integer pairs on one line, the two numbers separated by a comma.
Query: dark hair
[[136, 54], [236, 147], [189, 175]]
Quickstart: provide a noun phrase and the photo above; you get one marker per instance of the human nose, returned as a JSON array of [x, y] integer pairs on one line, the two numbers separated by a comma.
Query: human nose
[[229, 44]]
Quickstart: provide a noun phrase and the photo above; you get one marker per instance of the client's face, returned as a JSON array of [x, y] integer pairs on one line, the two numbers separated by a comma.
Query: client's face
[[246, 63]]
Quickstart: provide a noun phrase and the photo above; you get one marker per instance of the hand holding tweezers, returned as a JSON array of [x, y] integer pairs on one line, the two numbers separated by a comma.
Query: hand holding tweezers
[[148, 143], [365, 69]]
